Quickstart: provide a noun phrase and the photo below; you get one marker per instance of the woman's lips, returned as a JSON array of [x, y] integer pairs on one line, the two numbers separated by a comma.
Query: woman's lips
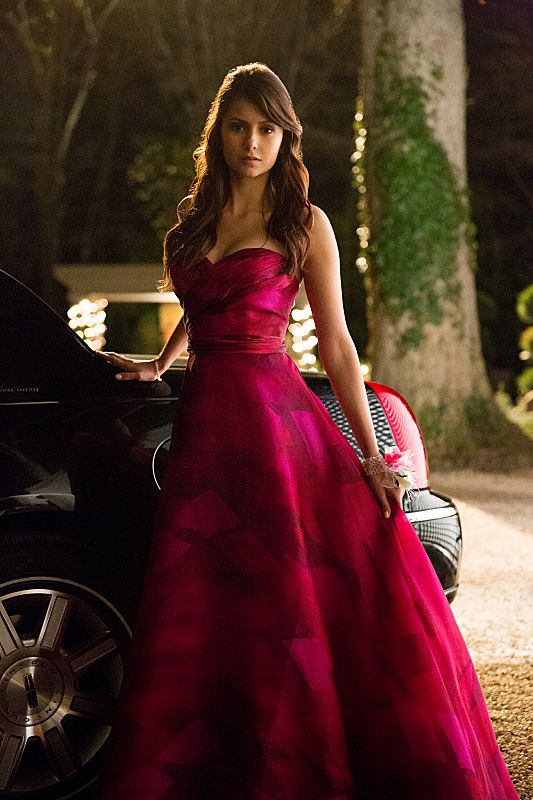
[[250, 160]]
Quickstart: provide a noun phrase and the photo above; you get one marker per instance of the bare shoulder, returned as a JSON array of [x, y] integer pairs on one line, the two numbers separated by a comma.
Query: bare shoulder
[[321, 222], [183, 206], [323, 245], [322, 281]]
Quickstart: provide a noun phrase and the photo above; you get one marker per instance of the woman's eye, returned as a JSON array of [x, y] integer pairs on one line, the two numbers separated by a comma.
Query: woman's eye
[[268, 129], [236, 126]]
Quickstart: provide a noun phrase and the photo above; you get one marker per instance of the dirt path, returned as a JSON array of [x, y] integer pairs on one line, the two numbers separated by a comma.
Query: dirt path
[[494, 606]]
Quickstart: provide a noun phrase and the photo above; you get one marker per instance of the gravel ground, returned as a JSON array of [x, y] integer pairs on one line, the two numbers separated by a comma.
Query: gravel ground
[[494, 606]]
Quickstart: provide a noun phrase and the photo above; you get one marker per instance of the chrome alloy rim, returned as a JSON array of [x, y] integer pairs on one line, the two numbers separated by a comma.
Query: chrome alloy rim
[[61, 666], [155, 456]]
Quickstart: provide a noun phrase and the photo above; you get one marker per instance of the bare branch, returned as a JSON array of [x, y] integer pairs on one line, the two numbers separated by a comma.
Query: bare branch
[[188, 61], [92, 33], [93, 30], [152, 19], [74, 114], [22, 27], [105, 14]]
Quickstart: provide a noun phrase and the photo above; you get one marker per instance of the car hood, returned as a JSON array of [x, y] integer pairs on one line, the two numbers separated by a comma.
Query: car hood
[[42, 358]]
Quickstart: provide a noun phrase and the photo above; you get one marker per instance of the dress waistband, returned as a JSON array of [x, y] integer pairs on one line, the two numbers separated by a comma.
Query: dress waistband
[[262, 344]]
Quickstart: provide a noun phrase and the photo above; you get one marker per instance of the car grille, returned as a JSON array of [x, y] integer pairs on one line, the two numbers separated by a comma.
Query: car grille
[[382, 428]]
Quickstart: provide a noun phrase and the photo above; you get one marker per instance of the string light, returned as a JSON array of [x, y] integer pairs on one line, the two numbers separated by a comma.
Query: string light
[[87, 319], [304, 341], [358, 172]]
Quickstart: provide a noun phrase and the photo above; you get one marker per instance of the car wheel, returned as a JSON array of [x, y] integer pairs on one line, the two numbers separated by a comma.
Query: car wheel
[[63, 638]]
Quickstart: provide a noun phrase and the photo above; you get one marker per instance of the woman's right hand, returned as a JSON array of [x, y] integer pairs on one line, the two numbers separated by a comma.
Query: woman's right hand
[[385, 495], [131, 370]]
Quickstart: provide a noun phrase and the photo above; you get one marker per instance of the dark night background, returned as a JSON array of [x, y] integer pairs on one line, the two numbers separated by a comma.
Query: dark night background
[[139, 119], [499, 40]]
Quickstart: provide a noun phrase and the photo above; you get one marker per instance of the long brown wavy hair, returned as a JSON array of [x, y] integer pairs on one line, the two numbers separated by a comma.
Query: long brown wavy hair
[[194, 235]]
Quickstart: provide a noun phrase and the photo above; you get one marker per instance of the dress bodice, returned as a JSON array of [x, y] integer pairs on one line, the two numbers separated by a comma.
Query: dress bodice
[[240, 302]]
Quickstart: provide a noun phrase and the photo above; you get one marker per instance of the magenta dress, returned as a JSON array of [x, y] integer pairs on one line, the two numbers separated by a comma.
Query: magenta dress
[[291, 643]]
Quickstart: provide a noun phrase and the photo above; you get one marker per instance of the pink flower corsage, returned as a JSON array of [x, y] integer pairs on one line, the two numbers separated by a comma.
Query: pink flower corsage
[[399, 467], [395, 466]]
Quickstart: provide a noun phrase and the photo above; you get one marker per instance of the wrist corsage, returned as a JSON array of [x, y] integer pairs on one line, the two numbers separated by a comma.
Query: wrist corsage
[[396, 466]]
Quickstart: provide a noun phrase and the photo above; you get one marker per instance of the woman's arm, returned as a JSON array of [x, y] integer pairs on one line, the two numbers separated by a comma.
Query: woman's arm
[[150, 370], [337, 351], [175, 346]]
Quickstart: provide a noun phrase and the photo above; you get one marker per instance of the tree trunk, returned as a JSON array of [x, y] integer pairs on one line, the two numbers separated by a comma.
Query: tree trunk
[[423, 322]]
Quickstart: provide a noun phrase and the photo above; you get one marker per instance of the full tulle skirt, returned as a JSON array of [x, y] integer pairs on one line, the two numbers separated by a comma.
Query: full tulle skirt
[[291, 643]]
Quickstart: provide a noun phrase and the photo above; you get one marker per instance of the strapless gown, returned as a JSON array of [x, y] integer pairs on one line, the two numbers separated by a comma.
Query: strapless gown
[[291, 643]]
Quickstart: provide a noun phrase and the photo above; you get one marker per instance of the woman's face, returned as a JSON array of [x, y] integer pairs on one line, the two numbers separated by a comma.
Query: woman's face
[[250, 142]]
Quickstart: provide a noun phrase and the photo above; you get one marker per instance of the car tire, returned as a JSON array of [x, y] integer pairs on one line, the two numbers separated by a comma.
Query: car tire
[[65, 614]]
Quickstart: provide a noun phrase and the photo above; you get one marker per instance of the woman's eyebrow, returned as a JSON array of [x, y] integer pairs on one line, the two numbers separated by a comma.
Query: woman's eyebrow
[[261, 122]]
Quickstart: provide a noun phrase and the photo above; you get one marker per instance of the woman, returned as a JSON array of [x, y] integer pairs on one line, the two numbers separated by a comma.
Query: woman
[[293, 640]]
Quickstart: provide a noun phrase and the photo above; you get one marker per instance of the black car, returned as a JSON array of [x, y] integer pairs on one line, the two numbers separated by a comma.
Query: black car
[[81, 457]]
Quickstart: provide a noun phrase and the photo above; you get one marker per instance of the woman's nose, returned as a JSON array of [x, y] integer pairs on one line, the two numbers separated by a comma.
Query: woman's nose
[[251, 140]]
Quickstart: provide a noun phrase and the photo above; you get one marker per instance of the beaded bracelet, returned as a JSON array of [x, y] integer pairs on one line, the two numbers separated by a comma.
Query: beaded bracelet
[[374, 464]]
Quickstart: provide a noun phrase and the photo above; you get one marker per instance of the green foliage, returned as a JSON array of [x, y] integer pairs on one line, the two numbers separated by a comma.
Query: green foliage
[[503, 399], [524, 381], [162, 171], [525, 421], [524, 304], [437, 72], [431, 419], [525, 340], [423, 209], [481, 415], [133, 328], [519, 415], [524, 309]]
